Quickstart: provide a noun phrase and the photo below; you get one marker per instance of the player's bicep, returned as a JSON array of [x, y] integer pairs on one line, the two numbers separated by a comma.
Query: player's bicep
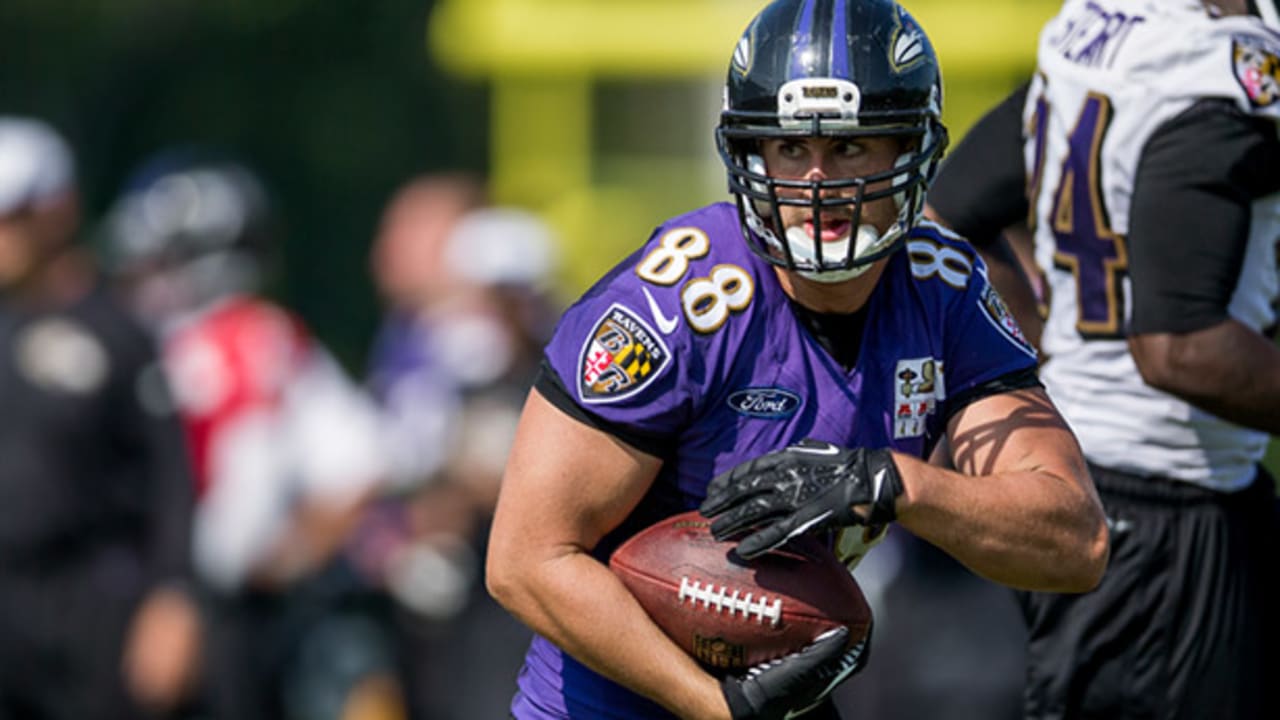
[[566, 484], [1014, 431]]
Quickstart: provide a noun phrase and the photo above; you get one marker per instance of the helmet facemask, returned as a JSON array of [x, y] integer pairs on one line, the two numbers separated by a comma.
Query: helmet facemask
[[858, 70], [760, 198]]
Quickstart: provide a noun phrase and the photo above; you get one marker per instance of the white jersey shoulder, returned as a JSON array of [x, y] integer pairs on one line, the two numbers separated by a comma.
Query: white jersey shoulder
[[1111, 72], [1167, 51]]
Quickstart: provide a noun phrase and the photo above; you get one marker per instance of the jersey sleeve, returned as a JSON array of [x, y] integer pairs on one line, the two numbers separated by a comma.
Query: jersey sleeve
[[614, 357], [1255, 65], [984, 347], [1190, 219], [334, 432]]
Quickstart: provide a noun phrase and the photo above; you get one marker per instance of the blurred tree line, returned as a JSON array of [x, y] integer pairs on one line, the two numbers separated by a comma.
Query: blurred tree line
[[335, 102]]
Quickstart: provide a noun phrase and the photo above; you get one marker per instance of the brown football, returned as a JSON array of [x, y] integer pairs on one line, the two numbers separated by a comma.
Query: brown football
[[731, 613]]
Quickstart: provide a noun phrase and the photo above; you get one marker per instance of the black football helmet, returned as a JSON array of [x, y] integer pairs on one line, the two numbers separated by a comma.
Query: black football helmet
[[832, 68], [191, 225]]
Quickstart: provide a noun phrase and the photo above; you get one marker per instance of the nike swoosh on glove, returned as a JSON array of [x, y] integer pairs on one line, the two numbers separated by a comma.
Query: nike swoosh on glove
[[806, 487], [793, 684]]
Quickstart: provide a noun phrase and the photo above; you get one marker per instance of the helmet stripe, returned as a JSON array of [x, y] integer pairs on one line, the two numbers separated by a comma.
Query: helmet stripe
[[803, 29], [821, 32], [839, 43]]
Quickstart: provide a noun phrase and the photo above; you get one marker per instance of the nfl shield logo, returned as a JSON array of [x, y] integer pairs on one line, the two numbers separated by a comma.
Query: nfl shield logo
[[719, 653]]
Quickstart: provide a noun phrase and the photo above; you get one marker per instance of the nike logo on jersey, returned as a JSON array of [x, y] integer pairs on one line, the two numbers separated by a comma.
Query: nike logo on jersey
[[665, 324]]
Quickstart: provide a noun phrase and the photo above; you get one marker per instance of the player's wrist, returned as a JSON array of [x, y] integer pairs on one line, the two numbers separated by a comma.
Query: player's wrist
[[872, 485], [886, 484]]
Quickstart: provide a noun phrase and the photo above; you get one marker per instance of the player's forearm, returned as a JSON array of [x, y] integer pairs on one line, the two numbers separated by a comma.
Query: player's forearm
[[1030, 529], [1227, 369], [578, 604]]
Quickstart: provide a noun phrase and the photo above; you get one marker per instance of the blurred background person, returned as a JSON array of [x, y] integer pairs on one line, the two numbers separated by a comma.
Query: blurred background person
[[407, 258], [468, 307], [287, 448], [409, 272], [96, 616]]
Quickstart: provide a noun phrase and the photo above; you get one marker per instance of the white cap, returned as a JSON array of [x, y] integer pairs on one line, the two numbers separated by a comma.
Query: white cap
[[35, 163], [502, 246]]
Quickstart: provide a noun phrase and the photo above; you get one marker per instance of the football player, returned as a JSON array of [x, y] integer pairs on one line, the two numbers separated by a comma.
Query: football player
[[287, 448], [807, 346], [98, 619], [1149, 138]]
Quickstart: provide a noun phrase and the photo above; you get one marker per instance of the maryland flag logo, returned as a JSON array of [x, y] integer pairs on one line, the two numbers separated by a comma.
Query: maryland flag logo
[[1257, 67], [620, 357]]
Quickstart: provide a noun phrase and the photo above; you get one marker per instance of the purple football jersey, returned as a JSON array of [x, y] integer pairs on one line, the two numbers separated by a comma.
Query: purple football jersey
[[692, 341]]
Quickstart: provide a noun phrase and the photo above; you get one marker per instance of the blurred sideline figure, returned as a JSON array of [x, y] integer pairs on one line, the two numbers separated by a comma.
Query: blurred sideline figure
[[407, 266], [287, 449], [468, 309], [95, 483], [407, 259]]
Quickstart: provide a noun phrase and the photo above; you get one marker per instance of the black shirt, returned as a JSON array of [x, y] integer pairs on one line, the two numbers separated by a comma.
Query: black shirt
[[92, 457]]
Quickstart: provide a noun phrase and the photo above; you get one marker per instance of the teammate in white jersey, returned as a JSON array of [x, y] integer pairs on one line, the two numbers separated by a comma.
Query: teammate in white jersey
[[1152, 164]]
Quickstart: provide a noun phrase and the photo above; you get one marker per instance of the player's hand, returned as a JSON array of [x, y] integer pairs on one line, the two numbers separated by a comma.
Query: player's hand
[[806, 487], [787, 687]]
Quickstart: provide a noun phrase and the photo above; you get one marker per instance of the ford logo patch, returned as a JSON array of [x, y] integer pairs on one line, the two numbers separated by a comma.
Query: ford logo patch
[[771, 403]]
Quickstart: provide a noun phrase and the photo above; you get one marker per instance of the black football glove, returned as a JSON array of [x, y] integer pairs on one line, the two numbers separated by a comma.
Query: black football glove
[[793, 684], [806, 487]]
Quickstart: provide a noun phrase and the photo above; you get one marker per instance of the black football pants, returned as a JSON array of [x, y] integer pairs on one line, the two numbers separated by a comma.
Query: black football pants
[[1182, 625]]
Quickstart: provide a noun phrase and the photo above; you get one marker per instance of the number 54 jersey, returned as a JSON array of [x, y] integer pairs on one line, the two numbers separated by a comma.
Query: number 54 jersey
[[690, 350], [1112, 73]]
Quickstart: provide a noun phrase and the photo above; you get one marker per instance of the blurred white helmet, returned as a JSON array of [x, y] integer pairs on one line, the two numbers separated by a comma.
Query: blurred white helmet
[[503, 247], [35, 163]]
